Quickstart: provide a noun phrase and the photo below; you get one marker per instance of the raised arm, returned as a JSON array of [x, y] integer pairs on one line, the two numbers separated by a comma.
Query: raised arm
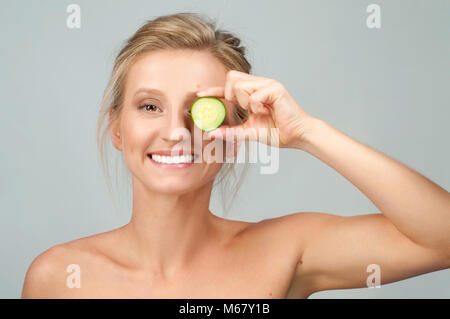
[[416, 206], [409, 237]]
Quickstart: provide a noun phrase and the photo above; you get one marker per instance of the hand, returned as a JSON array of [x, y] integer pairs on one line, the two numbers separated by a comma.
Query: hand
[[270, 105]]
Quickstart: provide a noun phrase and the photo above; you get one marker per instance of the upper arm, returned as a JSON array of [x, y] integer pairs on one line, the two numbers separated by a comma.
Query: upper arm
[[337, 250], [40, 278]]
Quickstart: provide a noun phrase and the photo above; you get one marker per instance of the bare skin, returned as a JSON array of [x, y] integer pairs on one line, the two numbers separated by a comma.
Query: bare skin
[[233, 263], [174, 247]]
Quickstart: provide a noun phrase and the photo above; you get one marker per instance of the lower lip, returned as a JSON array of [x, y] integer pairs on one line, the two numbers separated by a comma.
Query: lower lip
[[170, 166]]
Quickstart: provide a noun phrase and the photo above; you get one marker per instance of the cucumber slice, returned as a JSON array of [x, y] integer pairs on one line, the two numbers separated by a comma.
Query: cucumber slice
[[208, 113]]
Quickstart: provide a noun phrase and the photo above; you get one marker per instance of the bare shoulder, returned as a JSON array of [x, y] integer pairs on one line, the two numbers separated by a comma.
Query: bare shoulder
[[282, 237], [281, 229], [41, 279], [290, 234], [47, 275], [284, 240]]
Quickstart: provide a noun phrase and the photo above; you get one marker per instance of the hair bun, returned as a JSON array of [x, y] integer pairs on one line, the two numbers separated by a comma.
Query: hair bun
[[233, 41], [228, 38]]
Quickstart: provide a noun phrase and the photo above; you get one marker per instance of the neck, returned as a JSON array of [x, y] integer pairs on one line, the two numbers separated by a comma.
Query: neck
[[168, 230]]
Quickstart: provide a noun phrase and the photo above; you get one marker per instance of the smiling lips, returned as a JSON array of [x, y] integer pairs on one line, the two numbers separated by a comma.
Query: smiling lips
[[172, 158], [172, 152]]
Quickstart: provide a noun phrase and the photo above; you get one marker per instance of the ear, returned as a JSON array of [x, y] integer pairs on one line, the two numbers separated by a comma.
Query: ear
[[114, 131]]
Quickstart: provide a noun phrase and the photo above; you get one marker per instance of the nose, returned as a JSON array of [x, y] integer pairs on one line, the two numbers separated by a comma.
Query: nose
[[178, 125]]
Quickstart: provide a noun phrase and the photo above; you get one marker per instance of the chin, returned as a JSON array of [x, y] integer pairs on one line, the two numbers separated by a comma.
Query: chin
[[174, 187]]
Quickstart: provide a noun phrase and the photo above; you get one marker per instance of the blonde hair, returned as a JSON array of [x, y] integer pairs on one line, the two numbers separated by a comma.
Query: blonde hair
[[176, 31]]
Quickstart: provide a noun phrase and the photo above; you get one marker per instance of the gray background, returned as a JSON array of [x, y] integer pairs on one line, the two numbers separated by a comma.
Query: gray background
[[387, 88]]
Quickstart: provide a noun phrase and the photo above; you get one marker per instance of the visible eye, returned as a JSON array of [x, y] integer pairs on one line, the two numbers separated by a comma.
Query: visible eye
[[148, 107]]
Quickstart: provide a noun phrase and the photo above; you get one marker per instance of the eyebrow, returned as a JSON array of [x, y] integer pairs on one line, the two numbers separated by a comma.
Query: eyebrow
[[189, 95]]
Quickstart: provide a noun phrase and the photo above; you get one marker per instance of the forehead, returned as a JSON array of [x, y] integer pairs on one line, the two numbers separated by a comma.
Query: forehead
[[175, 71]]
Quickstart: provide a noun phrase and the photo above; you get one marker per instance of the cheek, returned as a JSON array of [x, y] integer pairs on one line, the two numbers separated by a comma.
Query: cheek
[[137, 139], [133, 138], [137, 129]]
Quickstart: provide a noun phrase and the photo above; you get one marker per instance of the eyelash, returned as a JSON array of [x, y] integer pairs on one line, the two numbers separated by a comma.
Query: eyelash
[[145, 105]]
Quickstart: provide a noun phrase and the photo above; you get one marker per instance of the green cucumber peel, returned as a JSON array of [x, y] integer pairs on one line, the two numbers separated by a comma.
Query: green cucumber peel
[[208, 113]]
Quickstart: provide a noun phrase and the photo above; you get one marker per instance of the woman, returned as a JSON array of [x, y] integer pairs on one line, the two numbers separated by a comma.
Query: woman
[[174, 247]]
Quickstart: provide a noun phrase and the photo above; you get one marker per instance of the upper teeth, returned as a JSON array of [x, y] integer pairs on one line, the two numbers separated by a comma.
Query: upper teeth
[[173, 159]]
